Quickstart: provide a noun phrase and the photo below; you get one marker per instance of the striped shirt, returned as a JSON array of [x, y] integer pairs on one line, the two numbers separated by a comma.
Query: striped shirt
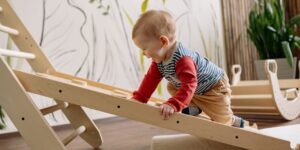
[[208, 73]]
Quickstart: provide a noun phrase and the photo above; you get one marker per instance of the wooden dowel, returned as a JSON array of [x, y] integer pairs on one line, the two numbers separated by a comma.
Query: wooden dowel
[[8, 30], [73, 135], [54, 108], [13, 53]]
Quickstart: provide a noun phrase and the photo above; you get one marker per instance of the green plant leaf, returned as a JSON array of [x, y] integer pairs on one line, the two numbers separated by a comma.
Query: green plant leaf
[[287, 52], [297, 39], [2, 116], [294, 21], [142, 61], [144, 6], [159, 89], [267, 29], [129, 18], [272, 29]]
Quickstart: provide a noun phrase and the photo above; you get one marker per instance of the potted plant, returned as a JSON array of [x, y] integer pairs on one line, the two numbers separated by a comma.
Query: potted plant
[[274, 37], [2, 123]]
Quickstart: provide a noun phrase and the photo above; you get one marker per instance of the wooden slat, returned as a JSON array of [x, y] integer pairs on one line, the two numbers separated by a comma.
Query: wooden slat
[[252, 100], [24, 113], [248, 90], [99, 85], [283, 83], [89, 97], [255, 109]]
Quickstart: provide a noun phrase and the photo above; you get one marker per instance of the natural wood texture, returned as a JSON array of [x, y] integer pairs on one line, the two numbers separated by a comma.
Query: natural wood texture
[[79, 92], [239, 49], [290, 109], [26, 43], [13, 53], [24, 40], [266, 97], [119, 133], [54, 108], [8, 30], [108, 88], [188, 142], [135, 135], [98, 99], [24, 114], [74, 134]]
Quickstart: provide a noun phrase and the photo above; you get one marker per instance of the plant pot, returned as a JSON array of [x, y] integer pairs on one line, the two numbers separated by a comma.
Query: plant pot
[[284, 69]]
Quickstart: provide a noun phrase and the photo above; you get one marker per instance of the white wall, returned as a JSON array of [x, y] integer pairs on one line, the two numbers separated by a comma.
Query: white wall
[[80, 39]]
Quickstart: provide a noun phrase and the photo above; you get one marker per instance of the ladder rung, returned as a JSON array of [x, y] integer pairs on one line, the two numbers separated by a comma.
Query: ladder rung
[[13, 53], [8, 30], [73, 135], [54, 108]]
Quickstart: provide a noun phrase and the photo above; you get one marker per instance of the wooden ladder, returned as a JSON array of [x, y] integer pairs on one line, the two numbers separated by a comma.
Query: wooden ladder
[[25, 115]]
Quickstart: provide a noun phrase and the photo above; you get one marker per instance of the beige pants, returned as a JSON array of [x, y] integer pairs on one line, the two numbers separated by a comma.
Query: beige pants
[[215, 102]]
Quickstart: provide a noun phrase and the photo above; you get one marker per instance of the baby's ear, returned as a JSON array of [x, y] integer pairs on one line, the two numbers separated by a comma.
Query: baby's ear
[[164, 40]]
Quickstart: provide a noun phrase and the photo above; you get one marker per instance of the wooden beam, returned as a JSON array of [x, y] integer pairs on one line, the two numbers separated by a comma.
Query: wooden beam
[[24, 40], [26, 43], [283, 83], [249, 89], [255, 109], [93, 98], [252, 100], [24, 114], [98, 85]]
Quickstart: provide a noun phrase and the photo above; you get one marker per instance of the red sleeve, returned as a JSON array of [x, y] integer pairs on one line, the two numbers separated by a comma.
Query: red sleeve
[[187, 74], [149, 84]]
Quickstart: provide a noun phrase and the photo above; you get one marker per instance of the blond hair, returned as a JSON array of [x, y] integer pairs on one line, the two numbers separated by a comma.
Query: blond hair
[[155, 23]]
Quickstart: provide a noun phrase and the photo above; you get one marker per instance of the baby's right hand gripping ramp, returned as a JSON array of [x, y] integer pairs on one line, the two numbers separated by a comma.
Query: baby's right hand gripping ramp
[[72, 92]]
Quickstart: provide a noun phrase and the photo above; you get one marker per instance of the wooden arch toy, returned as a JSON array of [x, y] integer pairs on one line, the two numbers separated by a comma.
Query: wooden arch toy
[[269, 98]]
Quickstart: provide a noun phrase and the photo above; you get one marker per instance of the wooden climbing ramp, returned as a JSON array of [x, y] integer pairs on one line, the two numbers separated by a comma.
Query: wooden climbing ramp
[[70, 93]]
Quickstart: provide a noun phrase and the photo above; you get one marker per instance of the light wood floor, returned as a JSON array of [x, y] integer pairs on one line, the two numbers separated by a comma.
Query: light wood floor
[[118, 134]]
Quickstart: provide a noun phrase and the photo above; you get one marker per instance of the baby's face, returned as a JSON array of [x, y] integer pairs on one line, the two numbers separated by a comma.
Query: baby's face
[[151, 48]]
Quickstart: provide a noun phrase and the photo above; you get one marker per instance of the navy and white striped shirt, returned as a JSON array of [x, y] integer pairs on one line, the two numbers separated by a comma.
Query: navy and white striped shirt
[[208, 73]]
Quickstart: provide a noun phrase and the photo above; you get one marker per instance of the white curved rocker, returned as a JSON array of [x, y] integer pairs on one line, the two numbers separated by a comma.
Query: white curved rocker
[[270, 97]]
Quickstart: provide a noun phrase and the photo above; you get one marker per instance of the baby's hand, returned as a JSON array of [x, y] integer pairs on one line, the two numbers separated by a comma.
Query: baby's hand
[[166, 111]]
